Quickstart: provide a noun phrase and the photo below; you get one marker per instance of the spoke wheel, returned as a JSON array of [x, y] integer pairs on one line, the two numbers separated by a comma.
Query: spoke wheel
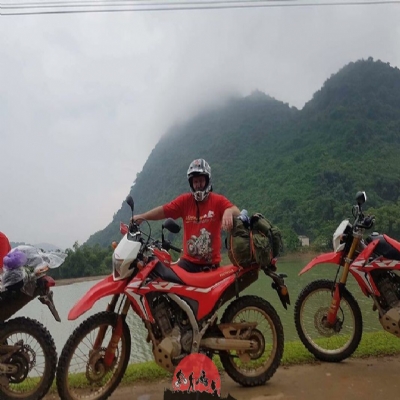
[[36, 360], [82, 372], [259, 365], [327, 343]]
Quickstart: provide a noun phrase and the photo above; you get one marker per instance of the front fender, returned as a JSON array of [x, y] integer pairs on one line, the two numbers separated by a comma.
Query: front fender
[[327, 258], [105, 287]]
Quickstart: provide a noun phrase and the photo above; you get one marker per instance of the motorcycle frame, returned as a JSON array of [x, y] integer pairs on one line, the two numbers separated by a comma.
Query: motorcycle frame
[[136, 290]]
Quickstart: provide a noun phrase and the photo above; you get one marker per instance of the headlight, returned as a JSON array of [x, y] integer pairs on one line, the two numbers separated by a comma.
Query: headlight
[[116, 265], [338, 235]]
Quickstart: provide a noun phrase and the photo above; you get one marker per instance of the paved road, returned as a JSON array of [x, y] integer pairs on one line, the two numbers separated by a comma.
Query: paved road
[[353, 379]]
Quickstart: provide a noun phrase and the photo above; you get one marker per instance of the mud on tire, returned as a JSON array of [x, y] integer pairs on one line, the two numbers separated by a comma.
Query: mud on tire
[[93, 322], [273, 361], [43, 337]]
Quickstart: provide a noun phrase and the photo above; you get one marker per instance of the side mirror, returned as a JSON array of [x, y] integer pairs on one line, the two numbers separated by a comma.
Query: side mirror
[[171, 225], [130, 202], [361, 198]]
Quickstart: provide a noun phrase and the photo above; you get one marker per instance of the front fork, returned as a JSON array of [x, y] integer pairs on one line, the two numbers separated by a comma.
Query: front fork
[[339, 286], [116, 332]]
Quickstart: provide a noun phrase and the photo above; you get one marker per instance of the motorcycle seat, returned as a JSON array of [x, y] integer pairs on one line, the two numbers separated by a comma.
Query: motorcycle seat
[[204, 279], [388, 248]]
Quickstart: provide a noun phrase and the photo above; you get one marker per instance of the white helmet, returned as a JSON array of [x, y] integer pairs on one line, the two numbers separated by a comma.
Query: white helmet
[[196, 168]]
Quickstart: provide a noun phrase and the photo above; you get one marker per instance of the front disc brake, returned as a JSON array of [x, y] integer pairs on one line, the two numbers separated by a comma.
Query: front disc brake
[[95, 368], [320, 322]]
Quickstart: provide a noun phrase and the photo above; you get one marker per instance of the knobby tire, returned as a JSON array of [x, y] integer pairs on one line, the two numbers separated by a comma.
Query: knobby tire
[[231, 311], [35, 329], [101, 318], [355, 309]]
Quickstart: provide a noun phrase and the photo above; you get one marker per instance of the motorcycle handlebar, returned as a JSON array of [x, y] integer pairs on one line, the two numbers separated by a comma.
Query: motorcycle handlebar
[[367, 222], [175, 248], [167, 245]]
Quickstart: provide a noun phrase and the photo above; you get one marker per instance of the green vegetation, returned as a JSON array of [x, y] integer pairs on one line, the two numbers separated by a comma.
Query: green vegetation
[[84, 261], [300, 168]]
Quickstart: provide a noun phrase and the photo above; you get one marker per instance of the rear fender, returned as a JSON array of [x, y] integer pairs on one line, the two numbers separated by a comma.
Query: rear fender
[[328, 258], [105, 287]]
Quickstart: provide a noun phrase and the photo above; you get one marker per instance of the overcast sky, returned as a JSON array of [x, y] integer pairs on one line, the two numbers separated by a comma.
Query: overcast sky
[[85, 97]]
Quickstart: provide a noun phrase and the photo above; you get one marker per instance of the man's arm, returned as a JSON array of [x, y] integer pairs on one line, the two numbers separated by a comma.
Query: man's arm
[[227, 217], [153, 215]]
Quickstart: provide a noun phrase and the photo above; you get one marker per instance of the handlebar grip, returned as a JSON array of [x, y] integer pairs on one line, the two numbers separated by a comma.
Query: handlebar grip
[[368, 222], [133, 227], [166, 244], [175, 248]]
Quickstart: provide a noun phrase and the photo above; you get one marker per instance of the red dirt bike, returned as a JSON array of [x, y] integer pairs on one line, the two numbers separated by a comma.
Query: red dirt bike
[[179, 310], [327, 317]]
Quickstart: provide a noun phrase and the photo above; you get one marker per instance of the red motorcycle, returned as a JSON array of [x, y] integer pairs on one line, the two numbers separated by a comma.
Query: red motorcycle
[[179, 310], [327, 317]]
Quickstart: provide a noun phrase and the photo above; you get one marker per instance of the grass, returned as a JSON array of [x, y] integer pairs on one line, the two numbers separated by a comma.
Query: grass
[[373, 344]]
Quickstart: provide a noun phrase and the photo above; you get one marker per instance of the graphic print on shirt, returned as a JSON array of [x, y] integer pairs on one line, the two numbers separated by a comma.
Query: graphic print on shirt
[[200, 247], [208, 217]]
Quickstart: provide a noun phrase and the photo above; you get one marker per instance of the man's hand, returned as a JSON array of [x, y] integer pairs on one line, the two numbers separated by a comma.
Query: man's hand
[[137, 219], [227, 220], [153, 215]]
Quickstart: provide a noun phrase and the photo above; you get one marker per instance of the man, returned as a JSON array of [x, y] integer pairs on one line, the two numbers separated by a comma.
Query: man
[[204, 213], [5, 247]]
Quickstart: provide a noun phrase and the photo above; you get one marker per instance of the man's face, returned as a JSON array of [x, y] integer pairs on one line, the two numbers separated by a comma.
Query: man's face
[[199, 182]]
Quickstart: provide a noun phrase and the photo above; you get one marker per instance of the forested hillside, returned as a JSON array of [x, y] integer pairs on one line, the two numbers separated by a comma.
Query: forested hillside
[[300, 168]]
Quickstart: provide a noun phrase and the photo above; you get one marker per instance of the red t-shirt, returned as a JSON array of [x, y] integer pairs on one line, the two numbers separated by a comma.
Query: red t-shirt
[[202, 223], [5, 247]]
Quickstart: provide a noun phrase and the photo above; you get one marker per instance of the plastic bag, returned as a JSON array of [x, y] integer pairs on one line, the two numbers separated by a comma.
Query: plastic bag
[[12, 277], [13, 271], [23, 263], [36, 258]]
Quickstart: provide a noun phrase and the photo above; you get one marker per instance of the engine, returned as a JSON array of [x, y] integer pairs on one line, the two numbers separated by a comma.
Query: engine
[[388, 283], [173, 330]]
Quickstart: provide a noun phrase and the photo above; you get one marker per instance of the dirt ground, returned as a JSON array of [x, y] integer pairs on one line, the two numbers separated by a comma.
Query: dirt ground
[[353, 379]]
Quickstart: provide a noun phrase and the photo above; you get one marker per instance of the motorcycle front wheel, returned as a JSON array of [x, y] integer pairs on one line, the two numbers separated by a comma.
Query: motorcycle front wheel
[[258, 366], [331, 344], [82, 372], [35, 362]]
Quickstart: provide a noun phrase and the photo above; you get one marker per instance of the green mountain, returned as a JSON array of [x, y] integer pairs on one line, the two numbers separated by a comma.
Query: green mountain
[[300, 168]]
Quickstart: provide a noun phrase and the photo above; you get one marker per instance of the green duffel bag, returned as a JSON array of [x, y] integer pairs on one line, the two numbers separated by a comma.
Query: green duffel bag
[[258, 242], [238, 244], [261, 224]]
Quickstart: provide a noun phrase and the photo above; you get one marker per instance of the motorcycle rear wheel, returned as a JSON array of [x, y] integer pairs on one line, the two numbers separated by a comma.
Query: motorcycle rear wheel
[[36, 362], [334, 344], [261, 367], [90, 379]]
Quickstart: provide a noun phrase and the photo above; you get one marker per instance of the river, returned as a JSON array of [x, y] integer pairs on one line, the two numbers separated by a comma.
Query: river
[[66, 296]]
